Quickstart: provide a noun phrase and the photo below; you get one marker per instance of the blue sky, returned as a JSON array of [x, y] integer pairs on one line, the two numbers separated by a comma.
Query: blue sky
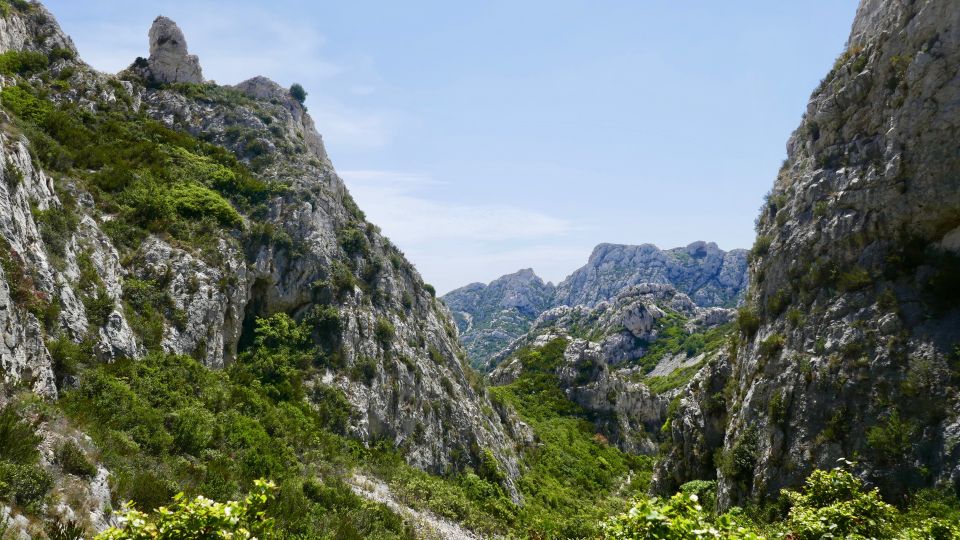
[[489, 136]]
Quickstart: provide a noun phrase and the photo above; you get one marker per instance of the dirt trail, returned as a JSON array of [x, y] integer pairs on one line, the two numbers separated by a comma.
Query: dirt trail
[[427, 525]]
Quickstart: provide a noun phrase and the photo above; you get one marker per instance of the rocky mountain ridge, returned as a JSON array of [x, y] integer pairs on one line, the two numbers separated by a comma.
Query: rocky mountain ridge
[[491, 316]]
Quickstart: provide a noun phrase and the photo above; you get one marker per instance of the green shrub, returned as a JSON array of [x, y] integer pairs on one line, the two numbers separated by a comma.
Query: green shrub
[[353, 241], [739, 462], [892, 440], [680, 518], [333, 408], [771, 346], [12, 175], [820, 209], [192, 428], [23, 62], [854, 279], [73, 460], [834, 504], [747, 322], [67, 356], [326, 321], [342, 278], [384, 332], [364, 369], [18, 438], [196, 201], [430, 289], [57, 226], [201, 519], [777, 302], [24, 485], [298, 93], [760, 247], [98, 306], [25, 105], [148, 306]]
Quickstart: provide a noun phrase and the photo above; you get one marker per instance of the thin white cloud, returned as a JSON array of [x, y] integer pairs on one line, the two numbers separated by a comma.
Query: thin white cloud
[[454, 243], [393, 201]]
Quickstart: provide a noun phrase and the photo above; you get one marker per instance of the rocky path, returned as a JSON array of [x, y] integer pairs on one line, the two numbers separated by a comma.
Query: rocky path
[[427, 524]]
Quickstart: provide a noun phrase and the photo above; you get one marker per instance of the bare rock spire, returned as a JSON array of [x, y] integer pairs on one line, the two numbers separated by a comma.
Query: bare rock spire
[[169, 60]]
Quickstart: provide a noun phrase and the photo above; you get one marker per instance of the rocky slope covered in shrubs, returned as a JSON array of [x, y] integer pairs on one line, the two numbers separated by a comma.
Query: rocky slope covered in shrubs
[[154, 215]]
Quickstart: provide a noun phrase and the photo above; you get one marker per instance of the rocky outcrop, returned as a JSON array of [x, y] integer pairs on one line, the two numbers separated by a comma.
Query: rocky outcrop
[[704, 272], [169, 61], [606, 369], [849, 345], [490, 317]]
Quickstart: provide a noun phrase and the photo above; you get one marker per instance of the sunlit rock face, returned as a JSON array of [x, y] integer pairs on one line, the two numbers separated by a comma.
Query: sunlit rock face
[[853, 282], [169, 60]]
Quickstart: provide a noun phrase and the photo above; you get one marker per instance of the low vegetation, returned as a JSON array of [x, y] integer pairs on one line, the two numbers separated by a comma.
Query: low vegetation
[[832, 504]]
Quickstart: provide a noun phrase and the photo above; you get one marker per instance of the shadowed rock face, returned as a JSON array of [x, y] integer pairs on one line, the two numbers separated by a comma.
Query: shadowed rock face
[[169, 60]]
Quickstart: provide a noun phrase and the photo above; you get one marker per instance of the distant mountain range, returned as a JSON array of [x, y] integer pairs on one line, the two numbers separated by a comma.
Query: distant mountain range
[[491, 316]]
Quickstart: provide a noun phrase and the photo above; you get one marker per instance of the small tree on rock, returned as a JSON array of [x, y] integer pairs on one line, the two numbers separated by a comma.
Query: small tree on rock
[[298, 93]]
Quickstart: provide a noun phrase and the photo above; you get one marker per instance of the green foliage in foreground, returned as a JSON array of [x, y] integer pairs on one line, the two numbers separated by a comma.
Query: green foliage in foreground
[[201, 519], [832, 504]]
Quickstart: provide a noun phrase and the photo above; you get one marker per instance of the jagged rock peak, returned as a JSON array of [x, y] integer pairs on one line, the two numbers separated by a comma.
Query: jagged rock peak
[[169, 60]]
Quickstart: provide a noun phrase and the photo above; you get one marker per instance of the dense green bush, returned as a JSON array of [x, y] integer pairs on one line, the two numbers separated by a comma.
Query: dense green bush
[[679, 518], [22, 480], [770, 346], [834, 504], [57, 225], [197, 201], [298, 93], [747, 322], [384, 332], [22, 62], [760, 247], [73, 460], [166, 423], [364, 369], [24, 484], [353, 241], [201, 519], [18, 438]]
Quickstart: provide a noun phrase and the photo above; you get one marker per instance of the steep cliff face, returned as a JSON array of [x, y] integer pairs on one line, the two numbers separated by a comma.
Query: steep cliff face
[[93, 232], [848, 343], [491, 316]]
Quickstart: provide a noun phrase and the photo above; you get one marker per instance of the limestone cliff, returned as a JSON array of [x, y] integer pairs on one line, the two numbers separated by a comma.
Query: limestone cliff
[[626, 358], [78, 258], [491, 316], [848, 342]]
